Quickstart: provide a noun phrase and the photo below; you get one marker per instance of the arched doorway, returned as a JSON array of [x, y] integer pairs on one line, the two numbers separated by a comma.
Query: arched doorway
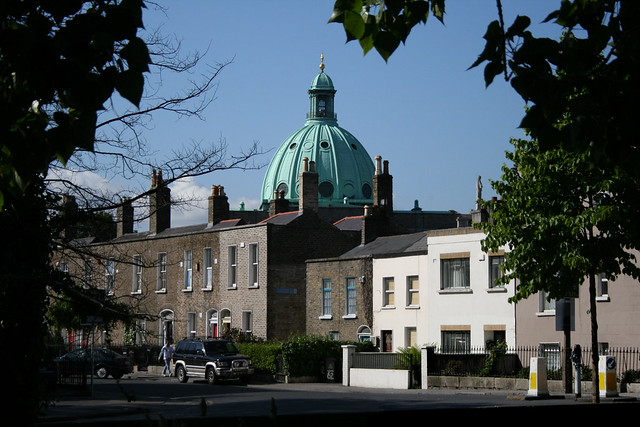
[[364, 333], [225, 316], [165, 326], [212, 324]]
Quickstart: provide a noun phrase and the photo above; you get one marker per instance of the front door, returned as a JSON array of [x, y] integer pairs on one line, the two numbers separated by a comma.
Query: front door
[[387, 341]]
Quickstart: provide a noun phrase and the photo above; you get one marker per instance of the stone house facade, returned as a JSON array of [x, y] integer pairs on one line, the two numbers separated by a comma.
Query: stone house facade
[[338, 298], [204, 280]]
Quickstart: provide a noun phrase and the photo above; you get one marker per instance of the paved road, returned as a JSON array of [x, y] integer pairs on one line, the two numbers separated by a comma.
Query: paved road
[[146, 398]]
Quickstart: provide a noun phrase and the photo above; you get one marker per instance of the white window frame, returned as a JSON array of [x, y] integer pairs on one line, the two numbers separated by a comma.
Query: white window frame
[[552, 354], [207, 276], [110, 276], [388, 292], [350, 298], [232, 266], [456, 341], [326, 299], [410, 336], [192, 324], [544, 305], [253, 265], [247, 321], [413, 292], [455, 273], [161, 277], [188, 270], [136, 267], [495, 270], [602, 288]]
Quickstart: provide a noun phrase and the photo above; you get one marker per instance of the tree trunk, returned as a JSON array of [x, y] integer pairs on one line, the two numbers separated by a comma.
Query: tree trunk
[[594, 337]]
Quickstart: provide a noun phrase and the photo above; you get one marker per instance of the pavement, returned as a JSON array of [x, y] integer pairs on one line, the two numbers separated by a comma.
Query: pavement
[[151, 399]]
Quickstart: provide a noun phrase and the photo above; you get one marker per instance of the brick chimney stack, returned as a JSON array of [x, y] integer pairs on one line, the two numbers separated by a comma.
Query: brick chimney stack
[[278, 204], [383, 188], [218, 205], [308, 186], [124, 218], [159, 204]]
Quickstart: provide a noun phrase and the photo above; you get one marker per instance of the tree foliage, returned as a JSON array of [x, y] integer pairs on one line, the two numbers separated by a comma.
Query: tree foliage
[[589, 78], [561, 220], [60, 61]]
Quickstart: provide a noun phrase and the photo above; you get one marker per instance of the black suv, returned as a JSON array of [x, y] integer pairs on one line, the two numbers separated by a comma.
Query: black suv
[[211, 360]]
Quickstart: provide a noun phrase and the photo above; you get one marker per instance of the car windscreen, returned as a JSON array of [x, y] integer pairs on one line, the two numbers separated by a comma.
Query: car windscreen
[[220, 348]]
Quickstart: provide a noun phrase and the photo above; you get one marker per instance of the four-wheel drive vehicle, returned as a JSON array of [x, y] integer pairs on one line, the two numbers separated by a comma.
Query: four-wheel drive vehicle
[[211, 360], [105, 362]]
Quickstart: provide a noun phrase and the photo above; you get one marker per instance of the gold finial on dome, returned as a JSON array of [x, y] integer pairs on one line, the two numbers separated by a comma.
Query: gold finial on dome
[[322, 61]]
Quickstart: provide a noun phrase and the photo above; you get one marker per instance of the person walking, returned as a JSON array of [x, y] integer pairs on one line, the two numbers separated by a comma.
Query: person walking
[[166, 352]]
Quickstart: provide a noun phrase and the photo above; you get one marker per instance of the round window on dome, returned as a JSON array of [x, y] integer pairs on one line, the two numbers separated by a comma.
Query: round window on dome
[[326, 189], [324, 144], [282, 189], [292, 146], [366, 191]]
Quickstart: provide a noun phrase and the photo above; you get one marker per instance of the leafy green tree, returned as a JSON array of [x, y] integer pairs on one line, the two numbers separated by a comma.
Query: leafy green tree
[[563, 223]]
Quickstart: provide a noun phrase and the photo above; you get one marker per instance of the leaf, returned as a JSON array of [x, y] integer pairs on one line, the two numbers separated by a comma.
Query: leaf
[[520, 24], [437, 8], [136, 54], [130, 85], [385, 43], [353, 25], [340, 7], [491, 70]]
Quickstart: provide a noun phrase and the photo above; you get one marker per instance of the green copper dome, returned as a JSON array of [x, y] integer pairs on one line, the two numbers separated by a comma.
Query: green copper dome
[[345, 169]]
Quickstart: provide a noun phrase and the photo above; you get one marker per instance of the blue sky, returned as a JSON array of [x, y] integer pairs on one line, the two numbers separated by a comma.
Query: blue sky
[[433, 119]]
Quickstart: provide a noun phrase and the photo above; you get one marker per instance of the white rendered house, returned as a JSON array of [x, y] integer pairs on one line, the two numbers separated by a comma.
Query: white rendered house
[[444, 297]]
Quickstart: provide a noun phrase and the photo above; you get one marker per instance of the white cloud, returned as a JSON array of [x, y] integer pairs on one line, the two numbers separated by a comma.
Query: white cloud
[[194, 211]]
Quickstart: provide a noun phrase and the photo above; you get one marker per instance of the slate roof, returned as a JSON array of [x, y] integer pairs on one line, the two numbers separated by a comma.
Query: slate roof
[[389, 245]]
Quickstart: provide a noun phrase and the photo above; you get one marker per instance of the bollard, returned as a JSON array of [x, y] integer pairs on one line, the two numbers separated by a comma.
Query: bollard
[[538, 377], [607, 376]]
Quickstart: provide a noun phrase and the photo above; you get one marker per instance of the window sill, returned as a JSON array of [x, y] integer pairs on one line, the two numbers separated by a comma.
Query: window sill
[[136, 292], [455, 291], [547, 313], [412, 307], [325, 318], [603, 298], [187, 290], [388, 307], [253, 286], [232, 288], [497, 289], [350, 316], [207, 289], [161, 291]]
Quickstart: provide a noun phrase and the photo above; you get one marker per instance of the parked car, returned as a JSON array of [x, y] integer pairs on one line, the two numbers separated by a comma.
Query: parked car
[[105, 362], [210, 359]]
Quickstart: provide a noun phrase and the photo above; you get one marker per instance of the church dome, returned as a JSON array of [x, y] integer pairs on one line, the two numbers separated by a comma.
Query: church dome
[[345, 169]]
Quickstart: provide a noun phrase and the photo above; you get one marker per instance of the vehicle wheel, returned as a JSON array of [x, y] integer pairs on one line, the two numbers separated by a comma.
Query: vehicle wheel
[[181, 374], [211, 376], [101, 372]]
